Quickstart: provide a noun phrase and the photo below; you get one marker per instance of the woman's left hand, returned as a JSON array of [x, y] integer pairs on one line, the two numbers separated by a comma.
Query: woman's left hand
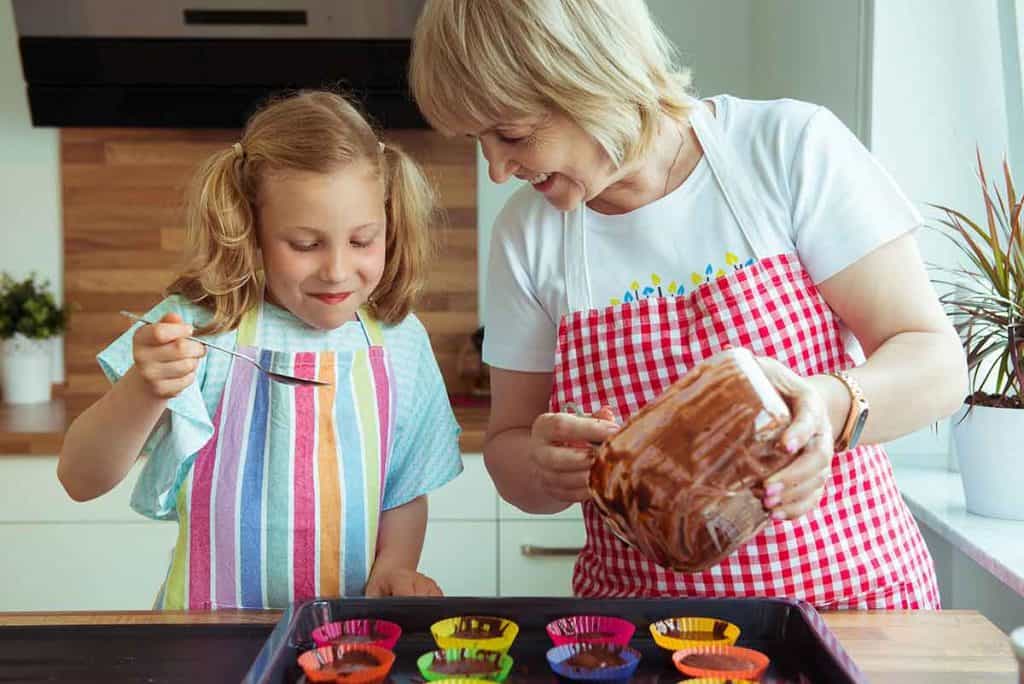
[[401, 582], [799, 487]]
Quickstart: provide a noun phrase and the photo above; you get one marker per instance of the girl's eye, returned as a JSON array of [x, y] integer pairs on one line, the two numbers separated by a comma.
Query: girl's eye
[[304, 246]]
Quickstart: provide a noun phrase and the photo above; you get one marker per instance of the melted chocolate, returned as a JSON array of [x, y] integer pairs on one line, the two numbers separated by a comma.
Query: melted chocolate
[[679, 481], [357, 638], [352, 661], [717, 633], [473, 627], [480, 664], [594, 635], [596, 658], [718, 661]]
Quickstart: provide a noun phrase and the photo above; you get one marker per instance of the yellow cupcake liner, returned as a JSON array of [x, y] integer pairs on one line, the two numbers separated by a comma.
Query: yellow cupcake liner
[[505, 634], [692, 624]]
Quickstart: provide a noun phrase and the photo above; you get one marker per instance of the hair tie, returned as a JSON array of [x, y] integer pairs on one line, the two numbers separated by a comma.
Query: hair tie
[[380, 146], [237, 147]]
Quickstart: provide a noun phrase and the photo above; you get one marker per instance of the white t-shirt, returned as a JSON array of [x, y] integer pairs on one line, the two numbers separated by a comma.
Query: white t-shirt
[[823, 195]]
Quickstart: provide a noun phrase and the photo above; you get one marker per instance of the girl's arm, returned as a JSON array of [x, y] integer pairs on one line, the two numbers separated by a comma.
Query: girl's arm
[[102, 444], [398, 553]]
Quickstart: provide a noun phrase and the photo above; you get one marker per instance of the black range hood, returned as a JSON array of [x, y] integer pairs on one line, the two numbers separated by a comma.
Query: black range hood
[[209, 64]]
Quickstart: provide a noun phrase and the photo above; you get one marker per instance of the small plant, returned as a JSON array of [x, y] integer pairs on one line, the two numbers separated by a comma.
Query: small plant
[[28, 307], [986, 302]]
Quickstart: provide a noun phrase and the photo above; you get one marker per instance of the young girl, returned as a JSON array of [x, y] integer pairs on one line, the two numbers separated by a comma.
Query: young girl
[[307, 243]]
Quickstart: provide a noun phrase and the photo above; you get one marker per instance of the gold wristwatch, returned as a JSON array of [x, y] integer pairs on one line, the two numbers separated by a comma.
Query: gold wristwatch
[[857, 416]]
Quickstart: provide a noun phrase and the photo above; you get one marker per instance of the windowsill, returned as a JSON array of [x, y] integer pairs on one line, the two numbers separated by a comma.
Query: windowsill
[[936, 498]]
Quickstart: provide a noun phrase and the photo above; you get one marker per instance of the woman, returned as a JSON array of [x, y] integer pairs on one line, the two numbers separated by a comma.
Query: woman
[[657, 229]]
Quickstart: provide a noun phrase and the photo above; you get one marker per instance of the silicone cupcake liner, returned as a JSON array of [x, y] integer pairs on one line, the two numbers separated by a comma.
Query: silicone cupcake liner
[[502, 664], [315, 663], [461, 680], [717, 680], [758, 662], [559, 656], [329, 633], [504, 632], [590, 629], [727, 633]]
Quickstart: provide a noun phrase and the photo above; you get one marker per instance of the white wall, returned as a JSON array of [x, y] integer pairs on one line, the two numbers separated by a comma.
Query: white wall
[[30, 208]]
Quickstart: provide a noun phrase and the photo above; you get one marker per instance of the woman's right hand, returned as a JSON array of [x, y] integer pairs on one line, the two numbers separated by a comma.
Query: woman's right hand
[[165, 360], [562, 451]]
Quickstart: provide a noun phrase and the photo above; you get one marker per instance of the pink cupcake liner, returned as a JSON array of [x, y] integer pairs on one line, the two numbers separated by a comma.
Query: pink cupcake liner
[[590, 629], [332, 632]]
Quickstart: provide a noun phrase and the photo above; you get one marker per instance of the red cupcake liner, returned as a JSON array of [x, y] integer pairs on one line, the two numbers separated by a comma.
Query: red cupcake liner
[[590, 629], [332, 632]]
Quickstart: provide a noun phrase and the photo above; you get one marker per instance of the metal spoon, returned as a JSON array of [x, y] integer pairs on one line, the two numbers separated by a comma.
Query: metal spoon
[[282, 378]]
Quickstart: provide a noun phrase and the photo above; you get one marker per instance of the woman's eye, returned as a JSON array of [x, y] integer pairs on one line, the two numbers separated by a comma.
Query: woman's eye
[[304, 246], [360, 244], [511, 140]]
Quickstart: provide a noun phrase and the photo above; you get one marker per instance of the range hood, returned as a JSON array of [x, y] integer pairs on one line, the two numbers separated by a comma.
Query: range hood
[[209, 63]]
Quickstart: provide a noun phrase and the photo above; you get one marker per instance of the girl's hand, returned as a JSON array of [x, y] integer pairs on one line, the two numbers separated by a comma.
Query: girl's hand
[[561, 450], [164, 359], [401, 582], [799, 487]]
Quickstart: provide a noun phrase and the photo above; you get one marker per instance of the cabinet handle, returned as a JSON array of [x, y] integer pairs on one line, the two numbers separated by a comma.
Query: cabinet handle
[[531, 551]]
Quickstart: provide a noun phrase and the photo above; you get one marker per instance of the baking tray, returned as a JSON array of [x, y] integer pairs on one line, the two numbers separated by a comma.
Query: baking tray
[[801, 647]]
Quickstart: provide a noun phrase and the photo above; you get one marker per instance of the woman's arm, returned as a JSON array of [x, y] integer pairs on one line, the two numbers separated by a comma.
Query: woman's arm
[[916, 371], [527, 450], [399, 545]]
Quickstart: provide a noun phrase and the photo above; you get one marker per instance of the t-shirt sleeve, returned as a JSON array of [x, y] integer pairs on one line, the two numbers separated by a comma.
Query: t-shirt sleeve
[[182, 430], [845, 204], [520, 334], [425, 450]]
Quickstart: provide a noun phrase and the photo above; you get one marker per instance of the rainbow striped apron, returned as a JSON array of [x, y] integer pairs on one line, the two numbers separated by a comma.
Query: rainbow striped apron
[[283, 503]]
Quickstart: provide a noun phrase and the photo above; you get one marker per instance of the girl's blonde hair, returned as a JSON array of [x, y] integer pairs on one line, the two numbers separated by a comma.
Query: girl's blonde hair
[[316, 131], [604, 63]]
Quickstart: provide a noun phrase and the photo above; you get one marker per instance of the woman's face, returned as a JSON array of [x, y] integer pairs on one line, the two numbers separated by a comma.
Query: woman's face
[[552, 153]]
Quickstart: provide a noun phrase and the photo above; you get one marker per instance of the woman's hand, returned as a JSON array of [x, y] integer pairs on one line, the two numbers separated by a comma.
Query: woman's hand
[[562, 451], [165, 360], [799, 487], [401, 582]]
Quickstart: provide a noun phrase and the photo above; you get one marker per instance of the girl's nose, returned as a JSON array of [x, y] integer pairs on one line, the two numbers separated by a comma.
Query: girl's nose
[[334, 267]]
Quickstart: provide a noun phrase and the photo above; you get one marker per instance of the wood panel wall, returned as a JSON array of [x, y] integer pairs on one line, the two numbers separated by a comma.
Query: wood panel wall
[[123, 195]]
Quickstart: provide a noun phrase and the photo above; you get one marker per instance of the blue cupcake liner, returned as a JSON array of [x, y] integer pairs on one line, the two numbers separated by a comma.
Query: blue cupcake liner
[[558, 659]]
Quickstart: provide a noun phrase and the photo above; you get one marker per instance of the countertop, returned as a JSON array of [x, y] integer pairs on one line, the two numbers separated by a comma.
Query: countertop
[[905, 647], [38, 429]]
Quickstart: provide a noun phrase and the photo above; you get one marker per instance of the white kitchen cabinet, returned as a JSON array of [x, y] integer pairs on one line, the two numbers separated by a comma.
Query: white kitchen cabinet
[[462, 557], [537, 557]]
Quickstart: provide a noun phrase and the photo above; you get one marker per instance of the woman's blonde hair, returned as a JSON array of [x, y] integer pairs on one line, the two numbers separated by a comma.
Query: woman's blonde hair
[[604, 63], [316, 131]]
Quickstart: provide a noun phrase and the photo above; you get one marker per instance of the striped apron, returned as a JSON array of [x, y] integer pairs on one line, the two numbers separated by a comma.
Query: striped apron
[[860, 548], [283, 503]]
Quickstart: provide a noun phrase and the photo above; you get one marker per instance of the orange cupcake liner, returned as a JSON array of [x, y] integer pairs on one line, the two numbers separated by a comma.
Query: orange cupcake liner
[[758, 662], [315, 663]]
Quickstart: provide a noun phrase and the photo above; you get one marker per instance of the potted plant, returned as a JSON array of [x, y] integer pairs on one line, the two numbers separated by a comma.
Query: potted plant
[[986, 304], [29, 317]]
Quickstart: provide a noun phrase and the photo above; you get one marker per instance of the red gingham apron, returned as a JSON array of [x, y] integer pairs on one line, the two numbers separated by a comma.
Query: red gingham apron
[[860, 549]]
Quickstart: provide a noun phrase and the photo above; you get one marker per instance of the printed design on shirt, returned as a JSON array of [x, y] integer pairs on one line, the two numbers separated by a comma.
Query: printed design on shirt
[[636, 291]]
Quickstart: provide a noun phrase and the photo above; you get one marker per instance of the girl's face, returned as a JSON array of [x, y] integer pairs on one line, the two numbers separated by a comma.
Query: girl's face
[[322, 237], [552, 153]]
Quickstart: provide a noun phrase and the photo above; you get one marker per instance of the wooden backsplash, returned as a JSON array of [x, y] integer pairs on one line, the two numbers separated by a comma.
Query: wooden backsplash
[[123, 232]]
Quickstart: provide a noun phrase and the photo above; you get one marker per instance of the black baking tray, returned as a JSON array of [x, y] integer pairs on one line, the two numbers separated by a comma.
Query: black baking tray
[[791, 633]]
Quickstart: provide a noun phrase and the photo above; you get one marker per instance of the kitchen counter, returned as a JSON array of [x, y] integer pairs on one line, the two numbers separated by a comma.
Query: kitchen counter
[[905, 647], [38, 429]]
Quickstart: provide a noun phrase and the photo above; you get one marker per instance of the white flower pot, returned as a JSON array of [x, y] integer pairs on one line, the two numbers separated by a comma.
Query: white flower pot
[[990, 450], [26, 371]]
